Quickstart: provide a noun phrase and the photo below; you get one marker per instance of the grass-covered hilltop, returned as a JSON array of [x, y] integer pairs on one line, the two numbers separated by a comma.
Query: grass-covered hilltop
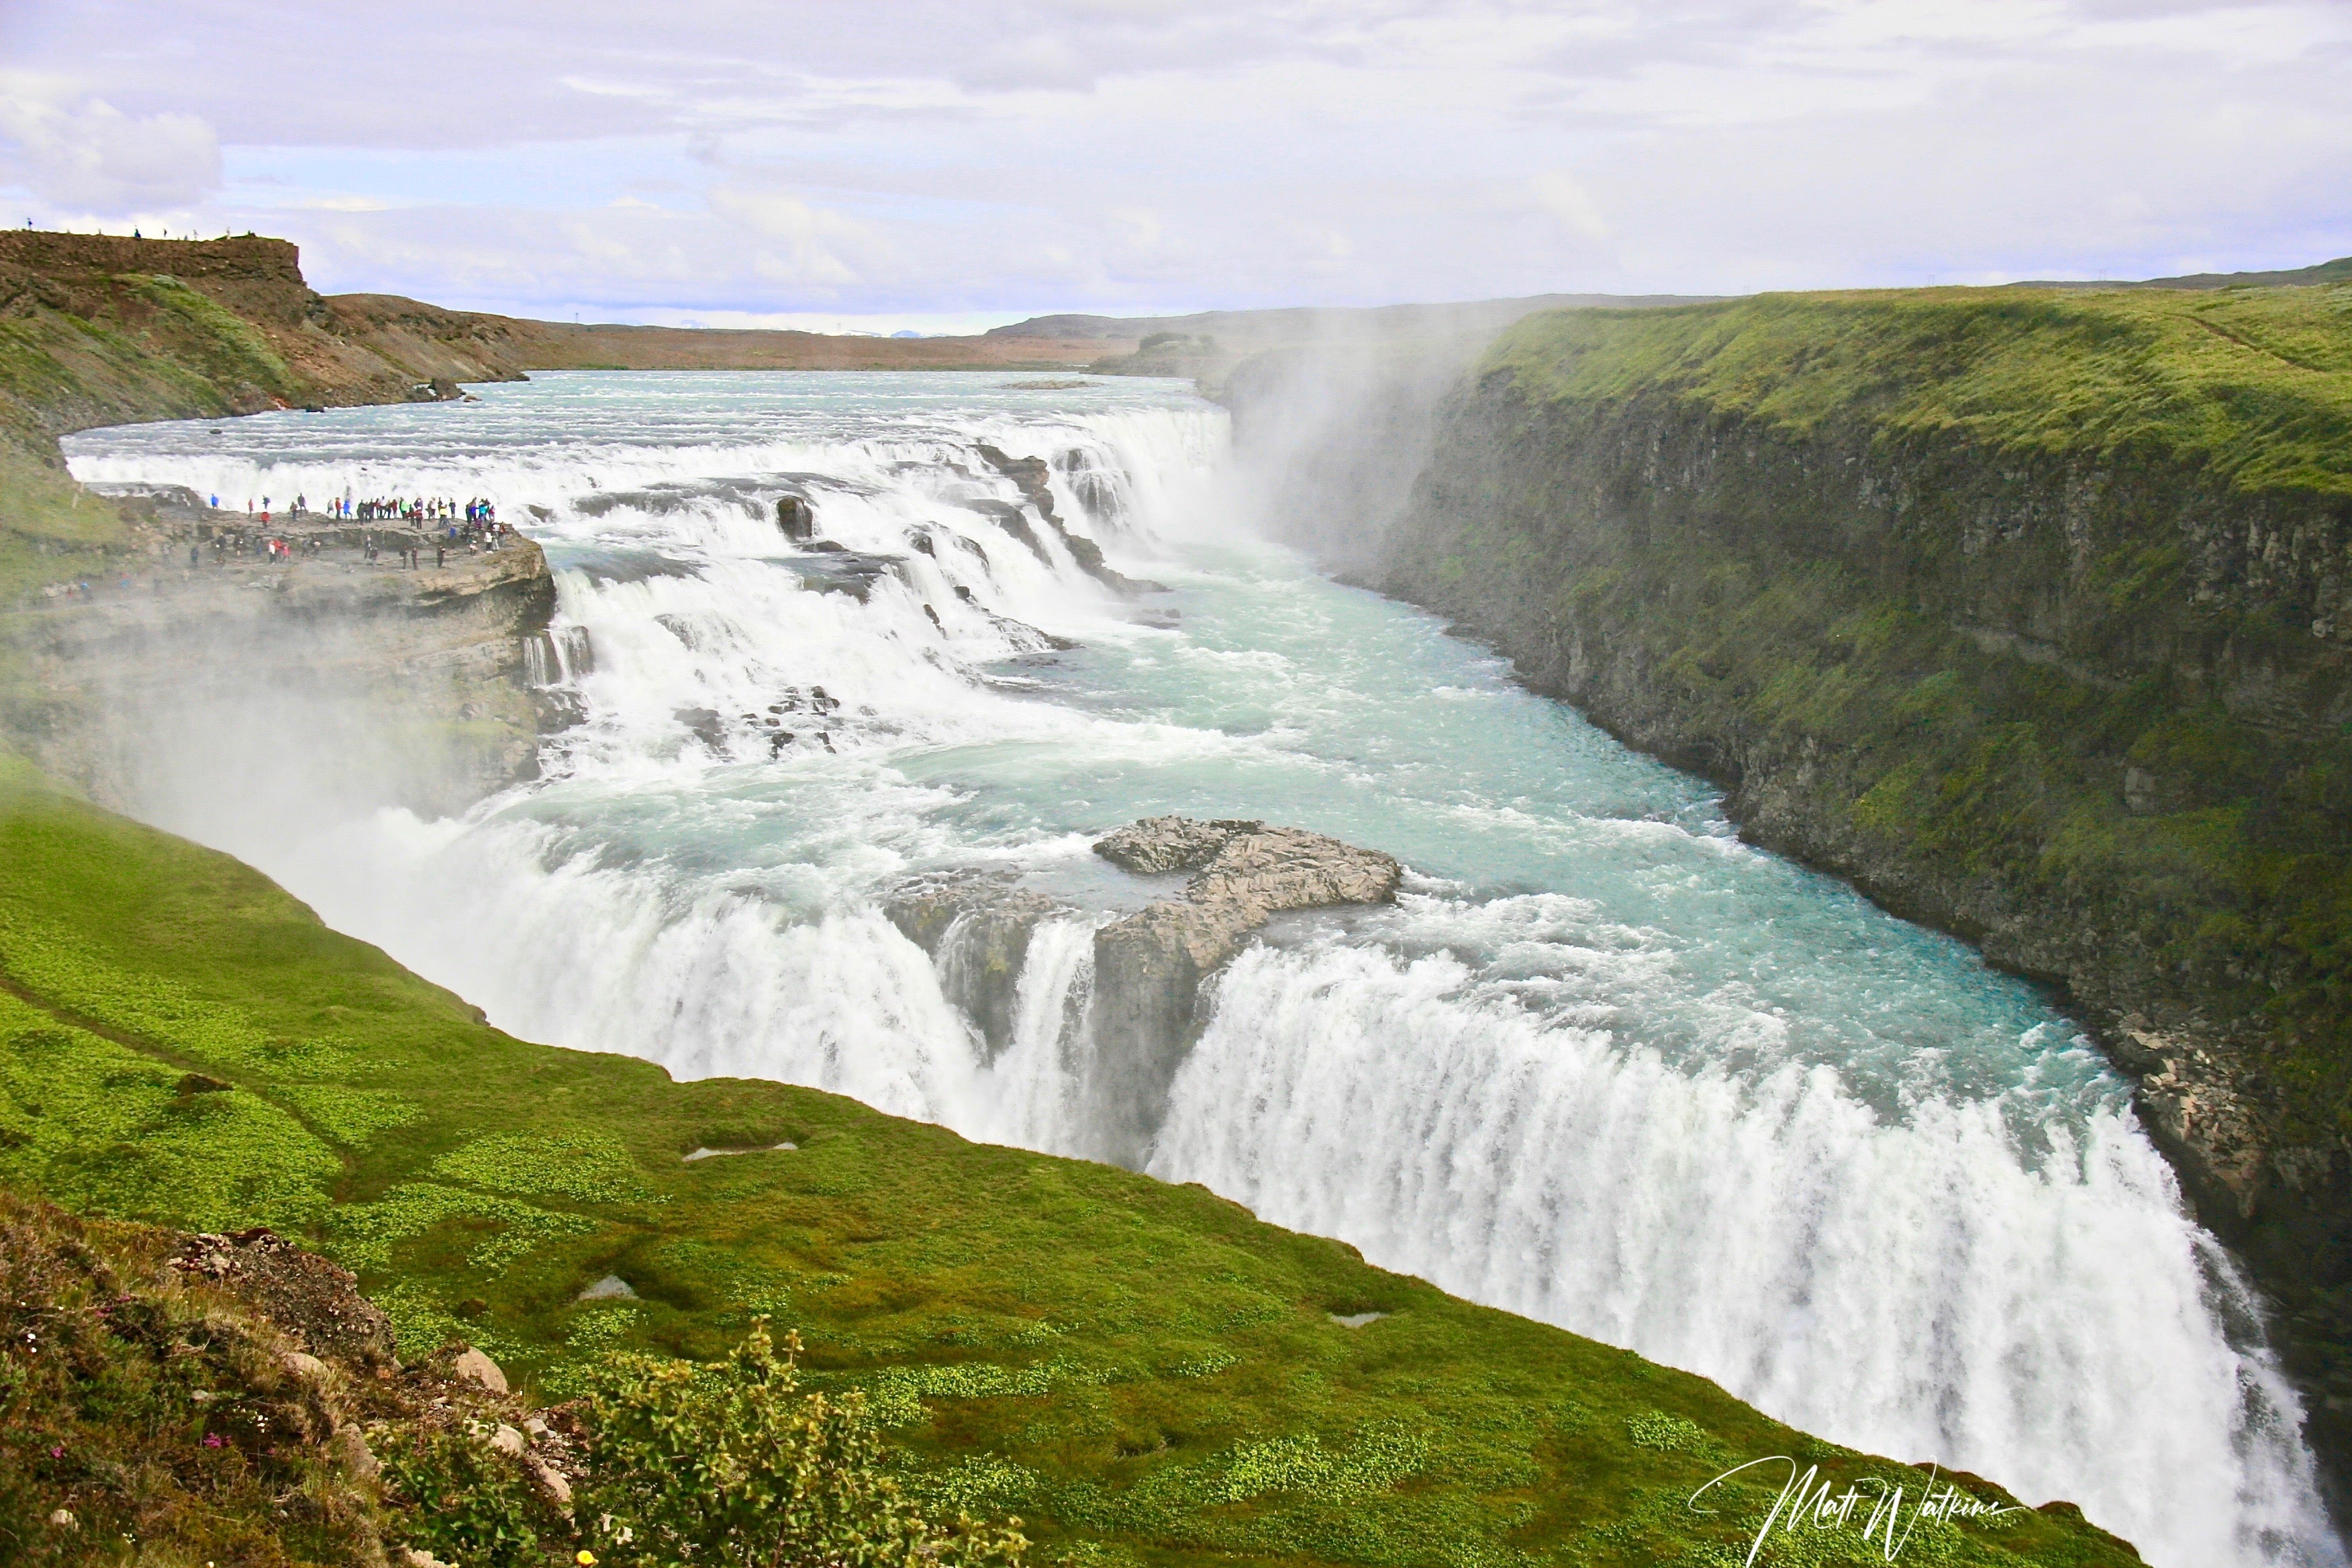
[[1138, 1372], [2027, 609]]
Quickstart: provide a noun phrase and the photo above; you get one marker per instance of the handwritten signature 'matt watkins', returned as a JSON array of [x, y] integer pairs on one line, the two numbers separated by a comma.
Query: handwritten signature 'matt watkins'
[[1810, 1502]]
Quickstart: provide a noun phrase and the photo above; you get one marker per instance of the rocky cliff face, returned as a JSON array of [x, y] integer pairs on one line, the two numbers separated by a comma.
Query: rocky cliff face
[[1849, 634], [345, 678], [394, 687], [2088, 704]]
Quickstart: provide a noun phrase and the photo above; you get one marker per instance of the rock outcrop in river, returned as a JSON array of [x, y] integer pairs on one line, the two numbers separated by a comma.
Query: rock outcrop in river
[[1148, 965]]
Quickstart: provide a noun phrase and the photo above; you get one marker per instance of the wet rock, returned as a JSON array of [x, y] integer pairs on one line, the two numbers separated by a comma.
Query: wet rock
[[704, 724], [1149, 966], [1275, 868], [796, 519], [1030, 476], [2192, 1104], [976, 927], [1156, 844], [839, 570], [1100, 490], [1014, 522]]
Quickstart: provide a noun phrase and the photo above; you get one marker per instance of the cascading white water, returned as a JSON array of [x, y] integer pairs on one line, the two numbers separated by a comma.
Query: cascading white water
[[1602, 1065]]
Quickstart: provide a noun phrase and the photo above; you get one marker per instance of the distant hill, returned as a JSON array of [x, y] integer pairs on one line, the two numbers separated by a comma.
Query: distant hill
[[1302, 323], [2336, 271]]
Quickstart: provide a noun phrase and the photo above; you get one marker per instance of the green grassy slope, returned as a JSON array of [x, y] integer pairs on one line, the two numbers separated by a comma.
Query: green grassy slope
[[1129, 1365], [2255, 384]]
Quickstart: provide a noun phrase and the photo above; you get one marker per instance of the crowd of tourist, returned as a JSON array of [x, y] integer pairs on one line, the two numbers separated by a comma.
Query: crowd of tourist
[[469, 525], [408, 528], [417, 512]]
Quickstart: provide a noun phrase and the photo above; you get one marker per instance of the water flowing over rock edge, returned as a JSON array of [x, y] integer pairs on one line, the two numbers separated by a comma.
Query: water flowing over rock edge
[[1808, 608]]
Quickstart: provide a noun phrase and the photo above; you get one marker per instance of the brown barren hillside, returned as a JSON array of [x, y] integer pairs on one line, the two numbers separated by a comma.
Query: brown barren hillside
[[560, 345]]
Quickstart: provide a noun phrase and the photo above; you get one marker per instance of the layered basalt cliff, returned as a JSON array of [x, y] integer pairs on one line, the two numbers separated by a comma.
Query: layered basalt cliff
[[2027, 612]]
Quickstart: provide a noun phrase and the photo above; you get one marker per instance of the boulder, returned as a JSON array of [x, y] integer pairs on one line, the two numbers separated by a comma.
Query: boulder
[[1156, 845], [472, 1366], [796, 519], [349, 1448], [549, 1481], [510, 1442]]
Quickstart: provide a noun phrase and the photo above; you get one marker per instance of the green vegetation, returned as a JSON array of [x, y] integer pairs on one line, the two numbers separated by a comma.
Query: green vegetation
[[1140, 1371], [147, 1414], [2255, 384], [2017, 605], [163, 1420], [729, 1464]]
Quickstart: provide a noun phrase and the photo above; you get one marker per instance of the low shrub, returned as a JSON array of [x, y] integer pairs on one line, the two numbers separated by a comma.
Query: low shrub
[[731, 1464]]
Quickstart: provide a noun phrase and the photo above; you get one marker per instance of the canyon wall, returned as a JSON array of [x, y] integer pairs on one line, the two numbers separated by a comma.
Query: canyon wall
[[2025, 612]]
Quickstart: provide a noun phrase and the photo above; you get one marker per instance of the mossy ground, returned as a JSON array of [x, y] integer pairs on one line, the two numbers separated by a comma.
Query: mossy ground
[[2255, 383], [1143, 1372]]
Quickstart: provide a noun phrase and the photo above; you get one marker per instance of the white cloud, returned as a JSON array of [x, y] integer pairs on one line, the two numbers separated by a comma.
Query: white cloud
[[810, 245], [1023, 156], [81, 152], [1566, 199]]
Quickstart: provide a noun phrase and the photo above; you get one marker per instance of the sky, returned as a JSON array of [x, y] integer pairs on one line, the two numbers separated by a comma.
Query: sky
[[945, 164]]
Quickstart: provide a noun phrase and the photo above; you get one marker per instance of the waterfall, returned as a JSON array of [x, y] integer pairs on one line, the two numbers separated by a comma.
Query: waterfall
[[1603, 1065]]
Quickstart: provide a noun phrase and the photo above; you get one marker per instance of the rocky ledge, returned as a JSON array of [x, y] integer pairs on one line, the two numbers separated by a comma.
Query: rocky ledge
[[407, 687], [1148, 965]]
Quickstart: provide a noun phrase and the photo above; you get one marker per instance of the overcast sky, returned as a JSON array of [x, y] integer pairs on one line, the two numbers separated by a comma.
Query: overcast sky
[[963, 162]]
